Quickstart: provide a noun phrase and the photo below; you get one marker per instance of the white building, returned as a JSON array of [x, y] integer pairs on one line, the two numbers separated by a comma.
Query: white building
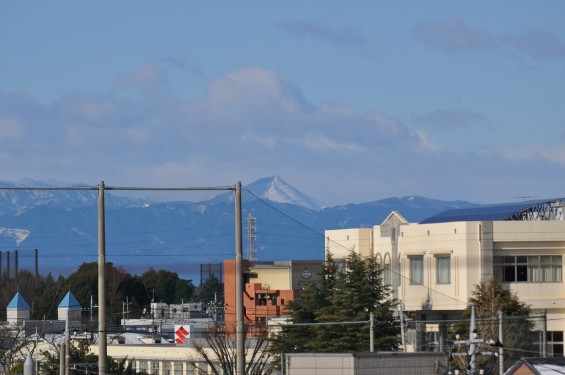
[[440, 260]]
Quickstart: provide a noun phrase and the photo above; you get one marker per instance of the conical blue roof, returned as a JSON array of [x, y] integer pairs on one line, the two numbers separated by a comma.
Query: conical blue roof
[[69, 301], [18, 302]]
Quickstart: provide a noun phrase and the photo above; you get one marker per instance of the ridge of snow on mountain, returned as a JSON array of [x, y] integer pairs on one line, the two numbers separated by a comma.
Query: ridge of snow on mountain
[[275, 189], [16, 233]]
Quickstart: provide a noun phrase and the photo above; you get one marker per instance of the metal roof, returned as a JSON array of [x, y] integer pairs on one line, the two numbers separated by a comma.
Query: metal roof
[[18, 302], [69, 301], [541, 209]]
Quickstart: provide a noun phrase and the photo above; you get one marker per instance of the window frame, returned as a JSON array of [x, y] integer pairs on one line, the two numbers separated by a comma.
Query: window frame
[[530, 268], [416, 265], [438, 260]]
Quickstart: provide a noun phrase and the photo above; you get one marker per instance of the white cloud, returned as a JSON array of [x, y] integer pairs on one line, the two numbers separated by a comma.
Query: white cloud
[[253, 88], [253, 122], [146, 78], [325, 144], [425, 144], [449, 119], [555, 154], [10, 129]]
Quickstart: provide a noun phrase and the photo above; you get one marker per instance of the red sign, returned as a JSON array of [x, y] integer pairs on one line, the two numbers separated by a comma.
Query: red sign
[[181, 334]]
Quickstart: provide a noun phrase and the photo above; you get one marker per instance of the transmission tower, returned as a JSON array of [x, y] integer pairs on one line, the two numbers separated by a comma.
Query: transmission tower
[[251, 237]]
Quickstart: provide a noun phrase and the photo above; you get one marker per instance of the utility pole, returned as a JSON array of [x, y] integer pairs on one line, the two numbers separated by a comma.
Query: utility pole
[[372, 332], [402, 334], [472, 344], [500, 350], [544, 337], [102, 343], [67, 346], [125, 311], [239, 331]]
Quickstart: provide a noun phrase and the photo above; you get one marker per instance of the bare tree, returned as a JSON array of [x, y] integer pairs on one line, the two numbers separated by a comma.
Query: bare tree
[[14, 345], [221, 360]]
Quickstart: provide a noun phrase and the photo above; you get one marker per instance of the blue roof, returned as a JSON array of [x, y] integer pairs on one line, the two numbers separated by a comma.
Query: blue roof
[[69, 301], [18, 302], [492, 212]]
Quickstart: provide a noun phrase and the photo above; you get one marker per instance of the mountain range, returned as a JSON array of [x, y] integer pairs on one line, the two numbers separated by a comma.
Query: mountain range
[[180, 235]]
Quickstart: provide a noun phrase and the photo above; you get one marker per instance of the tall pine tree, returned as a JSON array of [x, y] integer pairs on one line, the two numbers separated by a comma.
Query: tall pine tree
[[342, 296]]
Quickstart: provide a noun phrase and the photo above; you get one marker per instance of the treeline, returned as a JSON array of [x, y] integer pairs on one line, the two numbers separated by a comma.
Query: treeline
[[44, 293]]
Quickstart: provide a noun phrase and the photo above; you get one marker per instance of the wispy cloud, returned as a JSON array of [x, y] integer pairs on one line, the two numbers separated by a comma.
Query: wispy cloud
[[10, 128], [447, 119], [147, 78], [536, 44], [347, 36], [453, 34]]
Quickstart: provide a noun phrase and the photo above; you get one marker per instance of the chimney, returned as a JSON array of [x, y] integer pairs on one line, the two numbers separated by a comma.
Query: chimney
[[16, 270], [36, 264]]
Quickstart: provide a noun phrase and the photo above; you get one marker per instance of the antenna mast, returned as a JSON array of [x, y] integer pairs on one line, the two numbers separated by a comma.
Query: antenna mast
[[251, 237]]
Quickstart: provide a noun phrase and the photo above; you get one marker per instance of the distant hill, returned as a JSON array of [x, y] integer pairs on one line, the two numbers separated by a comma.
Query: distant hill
[[181, 235]]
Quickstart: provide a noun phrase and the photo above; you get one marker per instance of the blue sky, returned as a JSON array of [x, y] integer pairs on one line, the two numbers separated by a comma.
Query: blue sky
[[348, 102]]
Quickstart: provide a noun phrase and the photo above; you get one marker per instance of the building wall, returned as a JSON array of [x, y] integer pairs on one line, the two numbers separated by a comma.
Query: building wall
[[459, 242], [268, 286], [473, 250], [366, 363], [158, 359], [272, 278], [340, 242]]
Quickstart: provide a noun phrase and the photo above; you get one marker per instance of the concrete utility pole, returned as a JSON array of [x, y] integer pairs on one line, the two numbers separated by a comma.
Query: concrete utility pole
[[371, 332], [402, 334], [29, 365], [67, 346], [472, 344], [62, 359], [102, 343], [500, 350], [239, 329]]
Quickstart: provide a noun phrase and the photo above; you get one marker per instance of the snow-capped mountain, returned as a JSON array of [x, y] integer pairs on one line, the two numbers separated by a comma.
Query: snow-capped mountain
[[181, 235], [18, 201], [275, 189]]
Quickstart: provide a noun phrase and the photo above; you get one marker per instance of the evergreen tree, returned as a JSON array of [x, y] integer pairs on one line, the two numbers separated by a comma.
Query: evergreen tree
[[490, 297], [346, 296]]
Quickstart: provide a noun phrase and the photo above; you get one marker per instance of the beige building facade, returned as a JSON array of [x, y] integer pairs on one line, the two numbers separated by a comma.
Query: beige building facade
[[438, 263]]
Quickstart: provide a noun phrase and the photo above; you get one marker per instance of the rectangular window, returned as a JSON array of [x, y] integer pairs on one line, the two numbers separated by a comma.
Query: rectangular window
[[417, 270], [387, 275], [554, 343], [340, 265], [443, 266], [531, 268]]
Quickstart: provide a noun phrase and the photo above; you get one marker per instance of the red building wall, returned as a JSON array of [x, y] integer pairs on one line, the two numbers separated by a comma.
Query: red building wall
[[259, 304]]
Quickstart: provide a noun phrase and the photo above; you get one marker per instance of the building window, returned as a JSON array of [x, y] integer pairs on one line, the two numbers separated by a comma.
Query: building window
[[443, 266], [387, 273], [554, 343], [416, 270], [529, 268], [340, 265], [178, 368]]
